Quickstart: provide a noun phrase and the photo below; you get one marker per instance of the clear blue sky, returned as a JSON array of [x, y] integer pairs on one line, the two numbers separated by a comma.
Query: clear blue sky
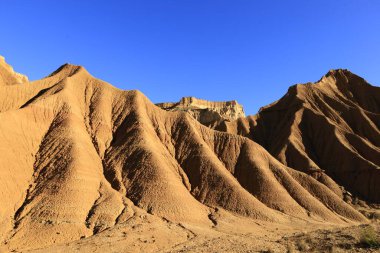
[[247, 50]]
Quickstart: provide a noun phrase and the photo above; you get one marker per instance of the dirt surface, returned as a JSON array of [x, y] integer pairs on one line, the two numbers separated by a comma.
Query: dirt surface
[[349, 239], [145, 233]]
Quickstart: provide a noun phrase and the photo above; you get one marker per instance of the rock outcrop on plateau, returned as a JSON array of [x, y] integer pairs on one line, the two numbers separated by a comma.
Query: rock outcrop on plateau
[[209, 113]]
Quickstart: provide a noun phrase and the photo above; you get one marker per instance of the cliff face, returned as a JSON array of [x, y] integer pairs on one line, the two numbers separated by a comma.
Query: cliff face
[[207, 112]]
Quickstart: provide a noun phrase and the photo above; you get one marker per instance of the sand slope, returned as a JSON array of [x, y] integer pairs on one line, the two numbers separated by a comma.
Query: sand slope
[[79, 156]]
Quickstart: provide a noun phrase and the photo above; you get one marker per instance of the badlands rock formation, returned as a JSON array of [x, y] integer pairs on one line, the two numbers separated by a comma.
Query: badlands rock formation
[[329, 129], [8, 76], [208, 113], [80, 157]]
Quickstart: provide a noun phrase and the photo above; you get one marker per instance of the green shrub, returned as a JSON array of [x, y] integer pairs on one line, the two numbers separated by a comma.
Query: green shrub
[[369, 238]]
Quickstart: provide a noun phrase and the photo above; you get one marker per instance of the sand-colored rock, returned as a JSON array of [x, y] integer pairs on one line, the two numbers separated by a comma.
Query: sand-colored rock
[[209, 113], [329, 129], [8, 76]]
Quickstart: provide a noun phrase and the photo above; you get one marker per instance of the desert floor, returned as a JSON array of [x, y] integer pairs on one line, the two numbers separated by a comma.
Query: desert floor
[[147, 233]]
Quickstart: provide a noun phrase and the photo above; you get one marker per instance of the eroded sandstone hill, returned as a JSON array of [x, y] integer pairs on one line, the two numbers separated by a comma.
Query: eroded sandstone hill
[[8, 76], [329, 129], [208, 113], [79, 156]]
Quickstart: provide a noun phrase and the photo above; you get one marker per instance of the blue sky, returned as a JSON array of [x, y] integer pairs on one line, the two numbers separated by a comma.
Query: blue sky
[[247, 50]]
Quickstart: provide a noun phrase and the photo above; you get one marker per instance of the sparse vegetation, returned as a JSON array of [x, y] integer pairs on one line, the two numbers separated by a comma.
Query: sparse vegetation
[[369, 238]]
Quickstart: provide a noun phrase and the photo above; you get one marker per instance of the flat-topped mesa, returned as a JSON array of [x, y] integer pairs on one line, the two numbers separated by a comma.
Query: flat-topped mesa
[[207, 112], [8, 76]]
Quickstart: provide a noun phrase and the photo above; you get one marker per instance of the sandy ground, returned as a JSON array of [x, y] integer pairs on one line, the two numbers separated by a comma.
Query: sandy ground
[[230, 233]]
